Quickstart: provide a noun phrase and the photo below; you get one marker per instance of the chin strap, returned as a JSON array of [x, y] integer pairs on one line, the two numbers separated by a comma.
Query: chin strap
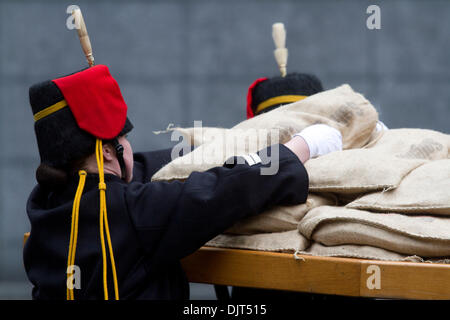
[[119, 154]]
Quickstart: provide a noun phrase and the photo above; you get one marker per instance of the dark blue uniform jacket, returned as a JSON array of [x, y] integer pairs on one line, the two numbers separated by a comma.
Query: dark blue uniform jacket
[[152, 224]]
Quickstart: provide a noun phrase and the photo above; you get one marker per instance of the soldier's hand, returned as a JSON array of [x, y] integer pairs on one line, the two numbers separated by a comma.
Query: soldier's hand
[[321, 139]]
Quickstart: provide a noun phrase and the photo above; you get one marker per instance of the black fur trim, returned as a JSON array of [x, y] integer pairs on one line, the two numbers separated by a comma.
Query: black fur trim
[[60, 140], [293, 84]]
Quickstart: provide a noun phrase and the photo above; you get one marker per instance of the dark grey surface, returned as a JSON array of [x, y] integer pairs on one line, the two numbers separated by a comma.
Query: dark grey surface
[[178, 61]]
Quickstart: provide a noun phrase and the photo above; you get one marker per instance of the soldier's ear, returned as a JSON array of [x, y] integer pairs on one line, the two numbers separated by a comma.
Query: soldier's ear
[[108, 152]]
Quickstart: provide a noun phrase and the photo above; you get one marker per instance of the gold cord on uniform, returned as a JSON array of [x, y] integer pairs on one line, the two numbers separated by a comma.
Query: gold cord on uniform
[[74, 231], [104, 227]]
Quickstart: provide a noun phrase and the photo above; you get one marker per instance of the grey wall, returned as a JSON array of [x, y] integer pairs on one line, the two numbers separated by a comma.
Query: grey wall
[[178, 61]]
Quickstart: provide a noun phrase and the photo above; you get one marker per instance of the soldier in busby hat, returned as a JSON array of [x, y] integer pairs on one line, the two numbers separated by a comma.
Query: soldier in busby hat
[[99, 228], [70, 114], [95, 209]]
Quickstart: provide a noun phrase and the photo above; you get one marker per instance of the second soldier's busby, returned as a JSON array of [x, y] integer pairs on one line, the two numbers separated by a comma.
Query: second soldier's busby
[[267, 94]]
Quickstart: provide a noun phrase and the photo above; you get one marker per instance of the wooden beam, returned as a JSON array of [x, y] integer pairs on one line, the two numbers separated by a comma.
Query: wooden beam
[[405, 280], [339, 276], [261, 269]]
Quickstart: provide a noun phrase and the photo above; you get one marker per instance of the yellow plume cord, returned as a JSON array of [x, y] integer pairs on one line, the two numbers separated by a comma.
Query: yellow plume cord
[[74, 229], [104, 225]]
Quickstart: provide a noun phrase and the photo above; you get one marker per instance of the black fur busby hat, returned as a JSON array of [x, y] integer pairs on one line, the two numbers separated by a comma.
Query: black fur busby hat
[[71, 112], [266, 94]]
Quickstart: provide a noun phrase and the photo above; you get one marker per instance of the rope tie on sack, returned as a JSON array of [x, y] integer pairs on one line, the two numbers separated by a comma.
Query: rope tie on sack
[[104, 226], [296, 255]]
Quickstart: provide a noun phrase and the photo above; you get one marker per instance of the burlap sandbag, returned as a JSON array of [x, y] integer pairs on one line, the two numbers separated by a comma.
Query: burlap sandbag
[[357, 251], [341, 108], [280, 218], [448, 145], [288, 241], [197, 136], [425, 236], [365, 252], [375, 136], [425, 190], [379, 165]]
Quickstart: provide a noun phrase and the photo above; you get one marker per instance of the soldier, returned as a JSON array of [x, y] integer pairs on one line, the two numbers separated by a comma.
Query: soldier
[[101, 229]]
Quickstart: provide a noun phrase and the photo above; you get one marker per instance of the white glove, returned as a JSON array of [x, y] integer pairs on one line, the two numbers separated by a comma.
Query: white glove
[[321, 139]]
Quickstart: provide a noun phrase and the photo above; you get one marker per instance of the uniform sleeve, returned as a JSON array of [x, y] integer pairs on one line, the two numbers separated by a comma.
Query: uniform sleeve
[[173, 219], [146, 164]]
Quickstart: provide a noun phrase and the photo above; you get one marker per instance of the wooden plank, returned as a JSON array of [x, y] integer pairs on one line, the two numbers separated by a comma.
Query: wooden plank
[[405, 280], [260, 269], [340, 276]]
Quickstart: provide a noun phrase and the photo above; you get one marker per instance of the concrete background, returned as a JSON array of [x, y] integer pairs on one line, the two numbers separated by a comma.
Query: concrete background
[[178, 61]]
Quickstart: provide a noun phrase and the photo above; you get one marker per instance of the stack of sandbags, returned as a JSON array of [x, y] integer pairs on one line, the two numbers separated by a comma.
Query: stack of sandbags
[[276, 229], [425, 190], [285, 241], [425, 236], [398, 213], [281, 218], [380, 165], [273, 230], [341, 108], [385, 196], [368, 228]]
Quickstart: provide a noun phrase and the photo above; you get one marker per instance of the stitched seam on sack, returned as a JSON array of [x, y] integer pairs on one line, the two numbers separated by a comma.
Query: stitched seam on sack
[[222, 245], [219, 244], [404, 209], [355, 187], [355, 256]]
